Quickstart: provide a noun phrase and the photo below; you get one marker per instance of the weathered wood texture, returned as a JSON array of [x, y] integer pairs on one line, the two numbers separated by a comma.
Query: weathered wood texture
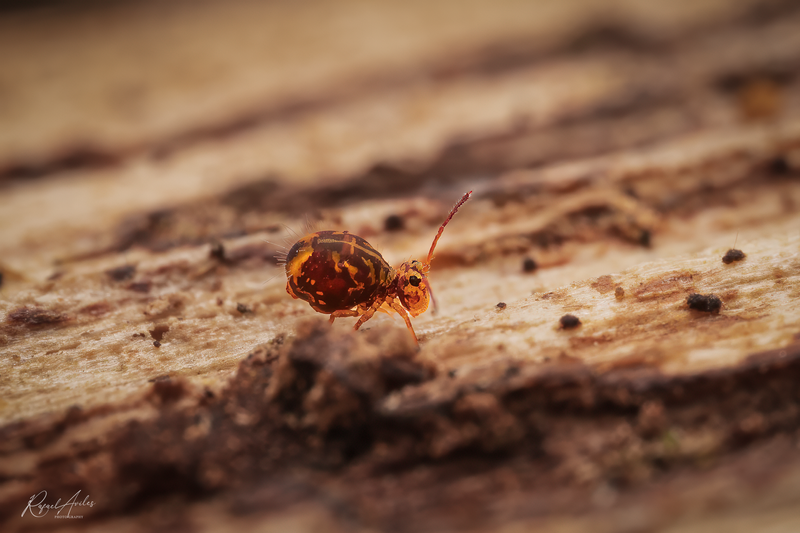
[[152, 162]]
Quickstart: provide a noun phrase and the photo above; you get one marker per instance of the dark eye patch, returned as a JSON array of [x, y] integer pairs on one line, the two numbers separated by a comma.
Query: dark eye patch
[[414, 280]]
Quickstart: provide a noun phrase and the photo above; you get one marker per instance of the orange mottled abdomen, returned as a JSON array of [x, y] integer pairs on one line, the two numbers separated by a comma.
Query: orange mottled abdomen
[[335, 271]]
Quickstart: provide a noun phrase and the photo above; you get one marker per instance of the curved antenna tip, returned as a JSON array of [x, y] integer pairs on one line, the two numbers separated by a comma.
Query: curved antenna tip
[[441, 228]]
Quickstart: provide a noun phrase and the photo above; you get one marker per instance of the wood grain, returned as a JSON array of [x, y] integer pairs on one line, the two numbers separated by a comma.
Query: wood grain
[[154, 159]]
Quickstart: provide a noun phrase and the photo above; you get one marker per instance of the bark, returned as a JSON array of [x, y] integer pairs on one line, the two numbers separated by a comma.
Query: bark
[[600, 360]]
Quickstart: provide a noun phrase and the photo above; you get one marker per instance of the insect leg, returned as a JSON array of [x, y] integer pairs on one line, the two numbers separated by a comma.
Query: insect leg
[[346, 312], [368, 313], [402, 312]]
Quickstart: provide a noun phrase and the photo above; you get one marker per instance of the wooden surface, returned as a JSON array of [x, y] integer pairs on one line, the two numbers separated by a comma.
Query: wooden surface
[[145, 190]]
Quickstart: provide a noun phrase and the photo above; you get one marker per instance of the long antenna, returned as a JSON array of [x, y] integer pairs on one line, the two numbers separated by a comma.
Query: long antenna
[[441, 228]]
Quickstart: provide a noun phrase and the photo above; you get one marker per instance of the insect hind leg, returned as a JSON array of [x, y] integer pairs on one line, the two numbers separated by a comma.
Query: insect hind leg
[[344, 313]]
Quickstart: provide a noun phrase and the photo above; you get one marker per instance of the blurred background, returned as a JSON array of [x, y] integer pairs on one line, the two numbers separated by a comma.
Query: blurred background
[[112, 109]]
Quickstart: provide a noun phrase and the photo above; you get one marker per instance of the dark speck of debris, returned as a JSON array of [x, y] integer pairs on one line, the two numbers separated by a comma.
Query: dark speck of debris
[[529, 265], [569, 321], [138, 335], [707, 303], [619, 292], [156, 344], [394, 223], [733, 255], [217, 251], [243, 308], [121, 273], [501, 306]]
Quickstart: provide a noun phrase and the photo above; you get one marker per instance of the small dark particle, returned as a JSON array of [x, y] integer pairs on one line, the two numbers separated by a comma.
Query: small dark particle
[[394, 223], [529, 265], [217, 251], [138, 335], [707, 303], [619, 292], [243, 308], [156, 344], [569, 321], [451, 373], [501, 305], [121, 273], [733, 255]]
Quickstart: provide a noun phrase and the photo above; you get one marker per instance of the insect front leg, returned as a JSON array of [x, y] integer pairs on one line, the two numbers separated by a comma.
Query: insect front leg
[[403, 313], [344, 313]]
